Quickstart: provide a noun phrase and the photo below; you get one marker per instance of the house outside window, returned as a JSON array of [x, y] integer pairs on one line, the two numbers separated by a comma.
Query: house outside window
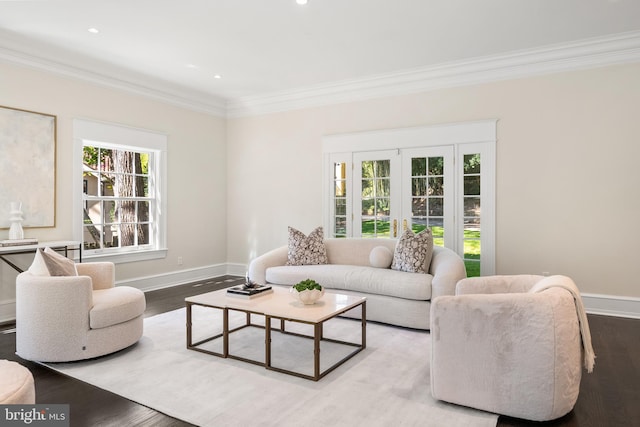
[[119, 189]]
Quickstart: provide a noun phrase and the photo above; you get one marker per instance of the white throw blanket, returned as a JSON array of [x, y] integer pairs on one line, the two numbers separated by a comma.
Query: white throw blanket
[[568, 284]]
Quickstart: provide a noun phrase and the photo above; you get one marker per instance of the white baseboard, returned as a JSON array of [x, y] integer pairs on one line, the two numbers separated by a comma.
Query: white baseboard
[[612, 305], [150, 283], [608, 305], [166, 280]]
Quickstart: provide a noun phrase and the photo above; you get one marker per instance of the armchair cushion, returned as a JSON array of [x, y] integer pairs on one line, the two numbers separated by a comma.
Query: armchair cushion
[[116, 305]]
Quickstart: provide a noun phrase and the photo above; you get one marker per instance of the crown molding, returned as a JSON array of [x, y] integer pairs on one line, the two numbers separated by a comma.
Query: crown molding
[[204, 104], [582, 54]]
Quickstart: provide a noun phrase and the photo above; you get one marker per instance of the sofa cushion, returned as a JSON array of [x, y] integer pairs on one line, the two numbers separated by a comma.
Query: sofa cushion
[[380, 257], [367, 280], [115, 305], [306, 250], [413, 252]]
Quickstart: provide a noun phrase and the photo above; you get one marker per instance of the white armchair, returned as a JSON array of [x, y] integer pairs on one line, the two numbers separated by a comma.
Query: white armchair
[[512, 345], [65, 318]]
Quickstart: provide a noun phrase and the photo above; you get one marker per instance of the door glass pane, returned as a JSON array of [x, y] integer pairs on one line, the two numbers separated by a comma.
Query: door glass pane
[[471, 185], [436, 165], [375, 198], [418, 166], [472, 206], [340, 229], [472, 163], [437, 230], [419, 208], [472, 219], [436, 206], [436, 186], [419, 186]]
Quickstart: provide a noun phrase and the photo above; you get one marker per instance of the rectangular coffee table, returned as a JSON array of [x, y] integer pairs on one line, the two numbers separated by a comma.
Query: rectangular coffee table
[[281, 306]]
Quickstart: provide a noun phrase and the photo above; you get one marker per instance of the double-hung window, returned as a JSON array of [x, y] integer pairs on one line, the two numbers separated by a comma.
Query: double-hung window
[[119, 189]]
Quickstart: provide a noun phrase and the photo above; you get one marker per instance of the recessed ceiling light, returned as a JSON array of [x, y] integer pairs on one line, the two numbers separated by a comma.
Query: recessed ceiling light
[[192, 66], [301, 2], [93, 30], [217, 76]]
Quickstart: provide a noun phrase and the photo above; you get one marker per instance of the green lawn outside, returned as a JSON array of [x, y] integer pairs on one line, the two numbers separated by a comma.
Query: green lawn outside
[[471, 243]]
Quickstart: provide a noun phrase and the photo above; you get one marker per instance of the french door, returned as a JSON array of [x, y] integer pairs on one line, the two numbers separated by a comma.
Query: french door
[[398, 189], [441, 177], [376, 195], [428, 195]]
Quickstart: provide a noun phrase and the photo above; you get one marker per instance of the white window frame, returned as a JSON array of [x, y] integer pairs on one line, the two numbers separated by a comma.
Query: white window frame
[[466, 138], [128, 138]]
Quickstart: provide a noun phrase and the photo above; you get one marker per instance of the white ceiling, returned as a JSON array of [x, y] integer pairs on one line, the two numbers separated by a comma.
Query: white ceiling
[[269, 47]]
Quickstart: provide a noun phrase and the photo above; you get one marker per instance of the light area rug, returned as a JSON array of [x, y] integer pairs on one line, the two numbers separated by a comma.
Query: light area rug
[[387, 384]]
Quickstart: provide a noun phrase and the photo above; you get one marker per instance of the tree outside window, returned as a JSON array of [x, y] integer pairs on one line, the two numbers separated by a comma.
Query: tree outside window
[[117, 197]]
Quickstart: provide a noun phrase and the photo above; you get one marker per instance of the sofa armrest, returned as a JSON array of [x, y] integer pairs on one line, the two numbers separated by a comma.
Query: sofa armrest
[[447, 268], [273, 258], [102, 274]]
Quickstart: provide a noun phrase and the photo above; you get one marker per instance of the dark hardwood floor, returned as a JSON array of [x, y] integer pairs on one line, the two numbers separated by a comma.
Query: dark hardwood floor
[[608, 396]]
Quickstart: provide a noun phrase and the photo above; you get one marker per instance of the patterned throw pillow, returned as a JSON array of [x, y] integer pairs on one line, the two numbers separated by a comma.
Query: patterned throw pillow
[[306, 250], [413, 252]]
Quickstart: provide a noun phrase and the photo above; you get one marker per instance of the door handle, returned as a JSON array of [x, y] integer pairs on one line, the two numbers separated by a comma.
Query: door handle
[[395, 228], [404, 225]]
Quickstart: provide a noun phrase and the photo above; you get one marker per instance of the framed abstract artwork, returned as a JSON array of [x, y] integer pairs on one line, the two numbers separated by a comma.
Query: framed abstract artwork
[[28, 166]]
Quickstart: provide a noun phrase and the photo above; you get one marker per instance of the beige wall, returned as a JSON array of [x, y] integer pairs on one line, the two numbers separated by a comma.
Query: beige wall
[[196, 215], [567, 154], [566, 183]]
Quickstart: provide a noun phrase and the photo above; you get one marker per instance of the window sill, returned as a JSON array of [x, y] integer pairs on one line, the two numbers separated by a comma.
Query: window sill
[[122, 258]]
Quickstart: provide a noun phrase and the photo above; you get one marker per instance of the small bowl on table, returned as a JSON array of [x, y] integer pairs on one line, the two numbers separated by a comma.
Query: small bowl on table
[[307, 292]]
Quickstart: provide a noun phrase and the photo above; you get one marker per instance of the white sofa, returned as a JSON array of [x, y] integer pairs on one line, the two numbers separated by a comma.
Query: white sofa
[[66, 318], [393, 297]]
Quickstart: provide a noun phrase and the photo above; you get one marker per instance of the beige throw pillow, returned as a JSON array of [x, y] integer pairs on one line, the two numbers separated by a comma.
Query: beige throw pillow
[[51, 263], [413, 252], [380, 257], [306, 250]]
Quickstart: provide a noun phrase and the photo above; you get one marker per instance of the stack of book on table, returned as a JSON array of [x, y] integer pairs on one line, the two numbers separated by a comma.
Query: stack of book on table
[[249, 291], [18, 242]]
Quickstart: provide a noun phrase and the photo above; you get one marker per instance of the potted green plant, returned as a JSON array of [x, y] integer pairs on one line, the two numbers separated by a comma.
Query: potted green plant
[[307, 291]]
